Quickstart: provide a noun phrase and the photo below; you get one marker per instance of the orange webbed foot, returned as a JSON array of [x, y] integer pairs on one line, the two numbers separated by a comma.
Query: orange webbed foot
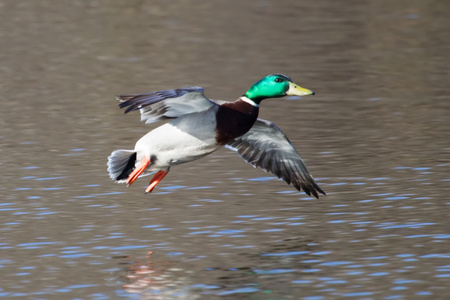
[[138, 170], [155, 180]]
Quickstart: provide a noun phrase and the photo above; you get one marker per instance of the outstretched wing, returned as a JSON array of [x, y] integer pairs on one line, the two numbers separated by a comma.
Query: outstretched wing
[[167, 104], [265, 146]]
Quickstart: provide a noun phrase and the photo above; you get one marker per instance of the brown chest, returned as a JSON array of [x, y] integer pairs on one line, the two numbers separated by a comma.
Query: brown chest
[[233, 120]]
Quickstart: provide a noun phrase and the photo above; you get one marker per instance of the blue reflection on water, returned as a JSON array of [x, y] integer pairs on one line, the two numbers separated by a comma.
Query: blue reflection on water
[[205, 286], [321, 253], [151, 226], [72, 256], [173, 187], [229, 231], [238, 291], [392, 225], [335, 263], [49, 178], [378, 274], [311, 270], [199, 187], [357, 294], [435, 255], [302, 281], [286, 253], [274, 271], [263, 218], [424, 293], [200, 232], [37, 244], [396, 198], [174, 253], [262, 179]]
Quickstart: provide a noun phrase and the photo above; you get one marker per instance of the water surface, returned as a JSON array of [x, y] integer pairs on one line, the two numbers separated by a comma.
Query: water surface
[[375, 136]]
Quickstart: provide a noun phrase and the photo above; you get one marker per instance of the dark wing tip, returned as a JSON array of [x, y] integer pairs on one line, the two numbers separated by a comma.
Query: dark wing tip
[[130, 101], [123, 98], [320, 190], [312, 186]]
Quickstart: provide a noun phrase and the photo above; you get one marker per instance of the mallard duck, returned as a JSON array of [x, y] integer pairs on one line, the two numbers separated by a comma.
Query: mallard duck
[[199, 126]]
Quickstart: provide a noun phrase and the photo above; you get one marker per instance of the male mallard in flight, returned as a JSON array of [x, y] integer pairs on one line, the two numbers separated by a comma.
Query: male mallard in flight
[[200, 126]]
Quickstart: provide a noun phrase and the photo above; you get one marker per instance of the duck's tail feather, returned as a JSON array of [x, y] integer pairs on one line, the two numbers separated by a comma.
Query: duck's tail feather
[[120, 164]]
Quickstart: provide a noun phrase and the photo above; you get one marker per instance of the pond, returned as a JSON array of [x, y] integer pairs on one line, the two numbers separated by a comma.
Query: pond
[[375, 136]]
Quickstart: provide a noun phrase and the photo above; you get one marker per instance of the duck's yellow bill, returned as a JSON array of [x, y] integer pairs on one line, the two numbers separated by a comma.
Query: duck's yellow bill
[[296, 90]]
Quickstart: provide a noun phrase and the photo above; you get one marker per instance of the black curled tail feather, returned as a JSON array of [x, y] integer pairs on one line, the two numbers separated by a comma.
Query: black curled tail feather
[[120, 164]]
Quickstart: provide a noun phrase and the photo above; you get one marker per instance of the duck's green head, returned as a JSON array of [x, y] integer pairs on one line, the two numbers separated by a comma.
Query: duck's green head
[[274, 86]]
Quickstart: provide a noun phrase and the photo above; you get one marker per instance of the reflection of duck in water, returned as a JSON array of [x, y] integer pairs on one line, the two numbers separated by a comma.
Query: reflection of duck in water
[[156, 281], [200, 126]]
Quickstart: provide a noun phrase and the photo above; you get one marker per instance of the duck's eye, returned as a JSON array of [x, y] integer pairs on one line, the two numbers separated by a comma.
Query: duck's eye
[[278, 80]]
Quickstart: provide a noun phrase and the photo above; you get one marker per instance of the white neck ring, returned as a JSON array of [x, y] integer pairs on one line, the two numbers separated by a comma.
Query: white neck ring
[[245, 99]]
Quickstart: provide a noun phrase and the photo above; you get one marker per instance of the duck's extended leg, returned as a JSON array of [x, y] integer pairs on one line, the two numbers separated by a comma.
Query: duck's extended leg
[[138, 170], [155, 180]]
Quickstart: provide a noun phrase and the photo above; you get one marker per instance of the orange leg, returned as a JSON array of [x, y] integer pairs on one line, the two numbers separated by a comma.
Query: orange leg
[[138, 171], [155, 180]]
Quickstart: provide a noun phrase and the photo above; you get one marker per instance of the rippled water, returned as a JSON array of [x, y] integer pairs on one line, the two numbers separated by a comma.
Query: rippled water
[[376, 137]]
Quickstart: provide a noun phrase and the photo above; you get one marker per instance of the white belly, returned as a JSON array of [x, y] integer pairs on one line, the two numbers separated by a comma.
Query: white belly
[[182, 140]]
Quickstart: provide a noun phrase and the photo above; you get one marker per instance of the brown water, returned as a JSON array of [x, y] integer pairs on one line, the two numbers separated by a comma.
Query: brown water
[[376, 136]]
